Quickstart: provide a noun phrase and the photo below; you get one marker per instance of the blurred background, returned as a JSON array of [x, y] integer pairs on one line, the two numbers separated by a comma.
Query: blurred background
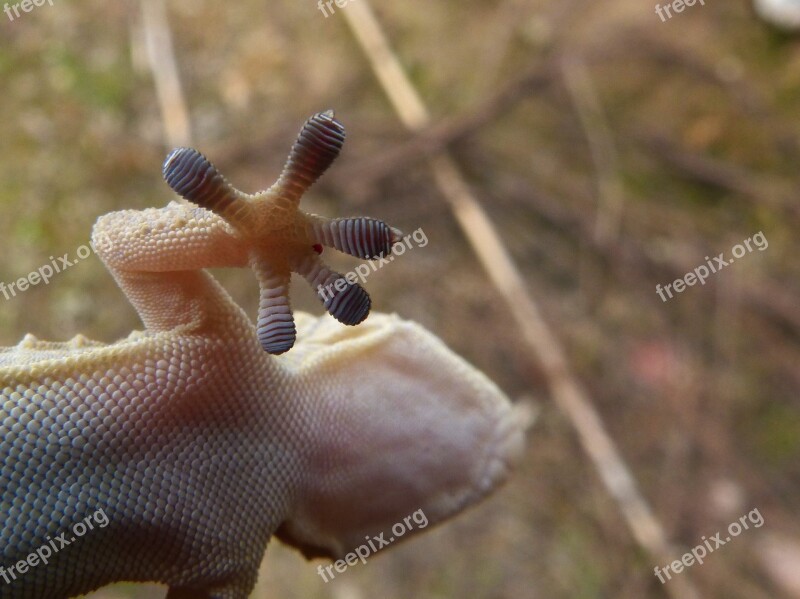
[[612, 149]]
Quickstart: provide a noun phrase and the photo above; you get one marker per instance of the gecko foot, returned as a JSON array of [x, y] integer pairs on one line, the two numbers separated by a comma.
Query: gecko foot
[[284, 239]]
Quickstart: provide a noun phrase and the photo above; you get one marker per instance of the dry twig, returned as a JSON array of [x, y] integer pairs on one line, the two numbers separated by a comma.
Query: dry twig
[[161, 59]]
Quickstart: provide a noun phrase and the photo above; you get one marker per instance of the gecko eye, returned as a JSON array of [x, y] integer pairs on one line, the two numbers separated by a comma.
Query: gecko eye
[[317, 247]]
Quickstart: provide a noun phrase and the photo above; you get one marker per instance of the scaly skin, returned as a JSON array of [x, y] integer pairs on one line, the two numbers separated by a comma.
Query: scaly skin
[[197, 445]]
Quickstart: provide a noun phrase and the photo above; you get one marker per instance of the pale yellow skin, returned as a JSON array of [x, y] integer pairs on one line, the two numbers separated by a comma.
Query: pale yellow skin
[[198, 445]]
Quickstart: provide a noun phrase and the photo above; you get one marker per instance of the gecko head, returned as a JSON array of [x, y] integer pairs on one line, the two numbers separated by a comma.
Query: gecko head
[[403, 434]]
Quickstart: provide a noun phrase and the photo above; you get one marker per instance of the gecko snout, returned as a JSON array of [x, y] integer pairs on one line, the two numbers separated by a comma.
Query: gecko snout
[[404, 425]]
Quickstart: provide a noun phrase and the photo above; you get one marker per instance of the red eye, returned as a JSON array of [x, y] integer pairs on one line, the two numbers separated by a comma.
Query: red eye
[[317, 248]]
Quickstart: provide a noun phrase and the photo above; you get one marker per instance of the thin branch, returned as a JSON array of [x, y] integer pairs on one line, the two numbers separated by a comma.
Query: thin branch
[[161, 59], [590, 111]]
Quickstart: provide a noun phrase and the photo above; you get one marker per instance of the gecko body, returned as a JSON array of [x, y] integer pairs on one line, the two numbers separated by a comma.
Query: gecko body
[[175, 454]]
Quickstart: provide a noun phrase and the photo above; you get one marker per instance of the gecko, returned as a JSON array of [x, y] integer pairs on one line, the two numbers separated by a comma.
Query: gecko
[[175, 454]]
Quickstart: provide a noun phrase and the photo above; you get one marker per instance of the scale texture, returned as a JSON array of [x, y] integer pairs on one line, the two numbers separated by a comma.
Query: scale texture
[[196, 445]]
